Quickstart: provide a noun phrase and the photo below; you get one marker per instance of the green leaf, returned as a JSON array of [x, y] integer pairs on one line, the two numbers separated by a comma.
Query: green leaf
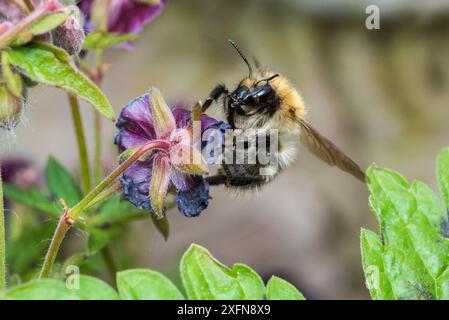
[[27, 241], [407, 232], [97, 240], [429, 204], [251, 282], [49, 22], [75, 260], [114, 211], [205, 278], [32, 198], [279, 289], [443, 175], [143, 284], [13, 80], [411, 221], [430, 245], [409, 279], [372, 260], [91, 288], [390, 192], [23, 38], [47, 289], [101, 40], [59, 53], [443, 286], [43, 66], [60, 183]]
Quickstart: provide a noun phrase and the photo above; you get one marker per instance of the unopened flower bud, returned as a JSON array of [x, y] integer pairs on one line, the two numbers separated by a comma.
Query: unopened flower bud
[[5, 26], [11, 108], [69, 36], [52, 5]]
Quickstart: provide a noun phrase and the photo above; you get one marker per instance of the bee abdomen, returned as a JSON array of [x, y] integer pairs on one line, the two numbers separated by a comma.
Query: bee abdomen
[[245, 176]]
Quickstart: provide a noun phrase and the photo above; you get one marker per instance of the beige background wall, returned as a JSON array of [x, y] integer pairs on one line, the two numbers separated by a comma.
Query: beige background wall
[[380, 95]]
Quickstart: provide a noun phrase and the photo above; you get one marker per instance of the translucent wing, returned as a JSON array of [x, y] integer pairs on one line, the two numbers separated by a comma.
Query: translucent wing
[[327, 151]]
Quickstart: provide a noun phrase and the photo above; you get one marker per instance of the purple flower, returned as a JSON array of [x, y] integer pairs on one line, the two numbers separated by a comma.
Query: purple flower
[[10, 12], [176, 166], [19, 172], [127, 16]]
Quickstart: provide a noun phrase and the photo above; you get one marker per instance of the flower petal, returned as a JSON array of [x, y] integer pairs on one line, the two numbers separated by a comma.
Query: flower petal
[[129, 16], [126, 140], [192, 203], [212, 141], [137, 117], [164, 122], [135, 124], [10, 12], [160, 182], [136, 184], [182, 117], [183, 181], [187, 159], [207, 122]]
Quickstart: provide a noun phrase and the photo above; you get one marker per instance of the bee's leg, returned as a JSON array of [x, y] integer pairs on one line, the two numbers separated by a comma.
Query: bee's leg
[[235, 181], [217, 180], [230, 111], [214, 95]]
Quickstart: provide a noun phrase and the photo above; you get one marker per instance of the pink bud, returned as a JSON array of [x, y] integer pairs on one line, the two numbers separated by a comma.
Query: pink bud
[[5, 26], [11, 108], [69, 36], [52, 5]]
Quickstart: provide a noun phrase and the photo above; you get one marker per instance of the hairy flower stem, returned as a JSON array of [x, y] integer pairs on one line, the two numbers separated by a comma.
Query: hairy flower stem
[[21, 5], [29, 4], [64, 225], [98, 169], [69, 215], [24, 24], [82, 146], [105, 194], [2, 238]]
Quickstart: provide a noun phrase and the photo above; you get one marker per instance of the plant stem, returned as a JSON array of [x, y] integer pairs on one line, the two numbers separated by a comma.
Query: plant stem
[[64, 225], [105, 194], [98, 168], [109, 260], [22, 25], [69, 215], [155, 144], [82, 146], [29, 4], [21, 5], [2, 238]]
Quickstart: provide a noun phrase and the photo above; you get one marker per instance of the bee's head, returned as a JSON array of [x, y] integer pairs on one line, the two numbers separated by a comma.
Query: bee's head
[[255, 94], [263, 97]]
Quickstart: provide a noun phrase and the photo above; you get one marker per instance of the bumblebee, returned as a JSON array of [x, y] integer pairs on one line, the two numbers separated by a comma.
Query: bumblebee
[[264, 101]]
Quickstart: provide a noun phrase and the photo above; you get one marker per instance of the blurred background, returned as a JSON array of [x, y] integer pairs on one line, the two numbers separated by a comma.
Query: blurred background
[[381, 95]]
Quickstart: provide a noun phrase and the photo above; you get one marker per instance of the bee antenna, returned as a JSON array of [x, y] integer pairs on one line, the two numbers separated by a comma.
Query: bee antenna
[[239, 51]]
